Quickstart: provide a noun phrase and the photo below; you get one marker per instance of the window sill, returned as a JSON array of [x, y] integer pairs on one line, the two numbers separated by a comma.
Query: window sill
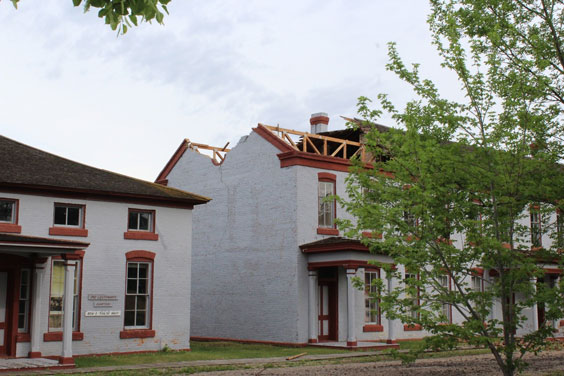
[[371, 235], [23, 337], [140, 235], [411, 327], [327, 231], [372, 328], [11, 228], [58, 336], [68, 231], [136, 333]]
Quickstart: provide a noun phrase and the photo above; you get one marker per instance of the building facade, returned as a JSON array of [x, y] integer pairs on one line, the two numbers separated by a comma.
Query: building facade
[[113, 251], [269, 263]]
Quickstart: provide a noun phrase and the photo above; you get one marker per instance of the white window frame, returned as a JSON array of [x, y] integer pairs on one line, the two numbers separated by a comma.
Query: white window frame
[[24, 301], [136, 294], [75, 300], [536, 228], [444, 281], [67, 207], [371, 304], [415, 299], [14, 210], [326, 209], [138, 213]]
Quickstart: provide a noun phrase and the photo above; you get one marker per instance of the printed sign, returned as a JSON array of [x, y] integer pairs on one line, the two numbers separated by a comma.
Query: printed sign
[[101, 297], [102, 313]]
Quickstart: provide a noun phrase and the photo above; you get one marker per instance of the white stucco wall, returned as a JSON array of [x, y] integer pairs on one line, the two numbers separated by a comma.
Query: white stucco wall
[[246, 280], [104, 269]]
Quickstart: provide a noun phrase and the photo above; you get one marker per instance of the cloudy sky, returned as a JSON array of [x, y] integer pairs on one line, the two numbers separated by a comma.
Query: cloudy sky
[[216, 68]]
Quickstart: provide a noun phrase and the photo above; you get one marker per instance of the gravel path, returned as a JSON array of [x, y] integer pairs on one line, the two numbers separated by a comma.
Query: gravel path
[[460, 365]]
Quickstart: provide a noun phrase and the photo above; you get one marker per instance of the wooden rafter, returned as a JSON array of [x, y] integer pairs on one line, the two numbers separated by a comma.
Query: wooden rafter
[[329, 146], [218, 153]]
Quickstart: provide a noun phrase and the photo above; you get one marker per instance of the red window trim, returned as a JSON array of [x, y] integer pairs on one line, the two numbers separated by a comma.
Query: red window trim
[[79, 256], [13, 228], [58, 336], [60, 230], [68, 231], [368, 328], [141, 234], [411, 327], [138, 333], [148, 257], [331, 178]]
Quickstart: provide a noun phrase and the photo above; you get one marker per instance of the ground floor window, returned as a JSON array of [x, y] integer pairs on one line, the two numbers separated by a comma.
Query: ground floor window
[[137, 296], [57, 293], [446, 308], [410, 278], [23, 306], [371, 310]]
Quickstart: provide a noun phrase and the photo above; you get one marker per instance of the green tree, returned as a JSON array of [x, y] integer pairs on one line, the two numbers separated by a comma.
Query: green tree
[[462, 182], [121, 14]]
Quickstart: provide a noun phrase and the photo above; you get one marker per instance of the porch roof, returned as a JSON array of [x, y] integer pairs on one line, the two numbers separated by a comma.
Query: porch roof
[[25, 245], [334, 244]]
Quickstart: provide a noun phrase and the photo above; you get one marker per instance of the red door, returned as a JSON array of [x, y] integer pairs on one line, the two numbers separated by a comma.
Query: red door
[[327, 305]]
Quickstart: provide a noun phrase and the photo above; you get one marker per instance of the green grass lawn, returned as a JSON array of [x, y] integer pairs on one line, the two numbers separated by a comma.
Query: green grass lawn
[[203, 351]]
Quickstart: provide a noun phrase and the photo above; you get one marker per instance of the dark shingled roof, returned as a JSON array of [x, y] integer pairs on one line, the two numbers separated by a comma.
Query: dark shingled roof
[[22, 166]]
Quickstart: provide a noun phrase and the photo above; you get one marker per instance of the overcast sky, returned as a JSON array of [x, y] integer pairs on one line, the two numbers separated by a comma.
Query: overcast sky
[[216, 68]]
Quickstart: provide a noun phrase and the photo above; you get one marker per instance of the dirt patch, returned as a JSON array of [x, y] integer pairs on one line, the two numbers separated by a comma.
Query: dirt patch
[[546, 362]]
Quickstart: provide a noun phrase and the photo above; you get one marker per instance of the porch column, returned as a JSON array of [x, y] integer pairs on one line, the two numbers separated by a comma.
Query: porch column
[[487, 285], [351, 336], [535, 308], [66, 356], [313, 319], [556, 323], [35, 324], [391, 323]]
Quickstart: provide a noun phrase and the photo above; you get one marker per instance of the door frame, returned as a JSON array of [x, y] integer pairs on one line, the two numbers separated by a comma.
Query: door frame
[[328, 277]]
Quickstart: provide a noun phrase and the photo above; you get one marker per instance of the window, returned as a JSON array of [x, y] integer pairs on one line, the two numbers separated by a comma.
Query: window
[[477, 284], [409, 277], [371, 310], [57, 294], [140, 220], [409, 219], [326, 207], [560, 229], [536, 235], [23, 307], [137, 297], [446, 309], [69, 220], [7, 211], [68, 215]]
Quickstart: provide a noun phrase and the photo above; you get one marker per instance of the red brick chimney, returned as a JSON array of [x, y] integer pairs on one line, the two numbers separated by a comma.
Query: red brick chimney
[[319, 122]]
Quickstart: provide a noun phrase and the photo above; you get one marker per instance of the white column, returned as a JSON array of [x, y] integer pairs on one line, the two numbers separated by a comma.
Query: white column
[[313, 319], [66, 356], [391, 323], [35, 324], [351, 335], [487, 285], [535, 308], [556, 322]]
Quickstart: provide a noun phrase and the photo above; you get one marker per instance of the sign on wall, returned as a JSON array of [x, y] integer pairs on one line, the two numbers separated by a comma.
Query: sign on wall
[[102, 313]]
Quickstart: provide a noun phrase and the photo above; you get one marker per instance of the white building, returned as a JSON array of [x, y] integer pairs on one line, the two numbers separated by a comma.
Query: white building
[[269, 263], [112, 250]]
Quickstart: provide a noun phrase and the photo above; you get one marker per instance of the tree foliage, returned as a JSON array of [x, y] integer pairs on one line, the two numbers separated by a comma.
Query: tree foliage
[[452, 191], [121, 14]]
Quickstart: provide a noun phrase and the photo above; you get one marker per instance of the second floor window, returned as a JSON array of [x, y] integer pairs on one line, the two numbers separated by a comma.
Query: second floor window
[[68, 215], [536, 234], [326, 212], [560, 229], [140, 220], [7, 211]]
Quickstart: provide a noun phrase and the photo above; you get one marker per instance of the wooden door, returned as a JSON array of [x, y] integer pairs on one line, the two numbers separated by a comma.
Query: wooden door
[[327, 306]]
